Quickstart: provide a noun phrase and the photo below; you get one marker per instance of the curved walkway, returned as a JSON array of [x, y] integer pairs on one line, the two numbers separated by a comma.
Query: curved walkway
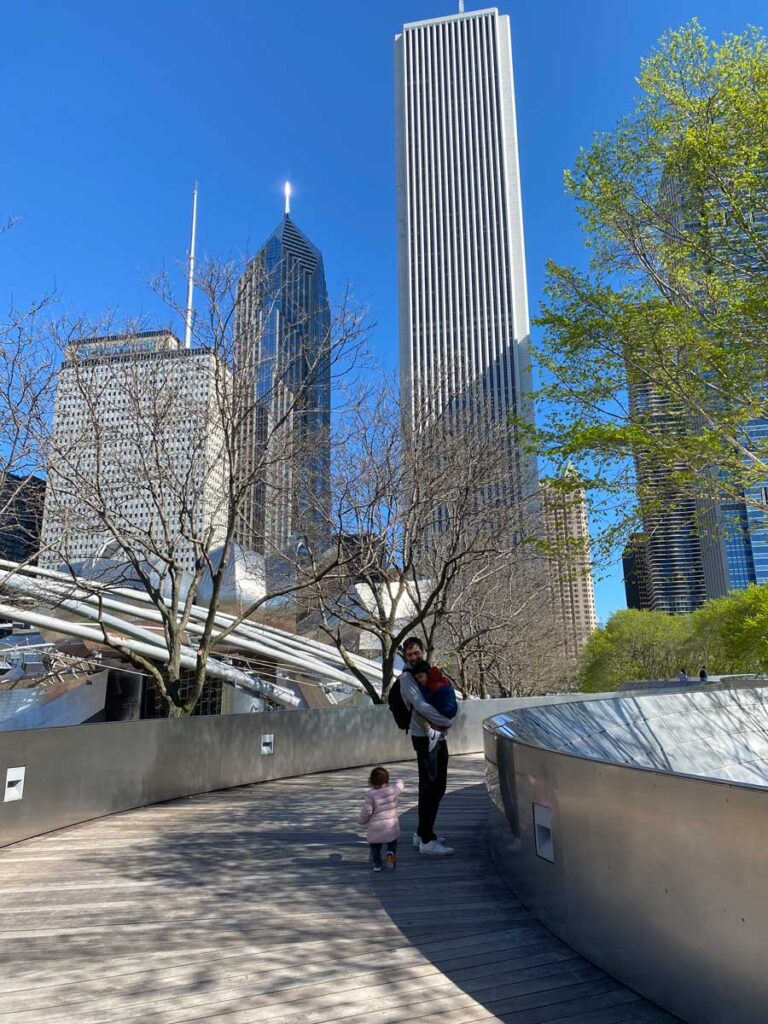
[[256, 904]]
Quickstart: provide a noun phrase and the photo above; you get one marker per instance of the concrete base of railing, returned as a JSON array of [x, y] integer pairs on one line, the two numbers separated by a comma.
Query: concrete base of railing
[[81, 772]]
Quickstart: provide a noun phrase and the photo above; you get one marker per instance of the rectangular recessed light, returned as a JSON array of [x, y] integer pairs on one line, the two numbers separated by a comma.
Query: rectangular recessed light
[[14, 784], [542, 825]]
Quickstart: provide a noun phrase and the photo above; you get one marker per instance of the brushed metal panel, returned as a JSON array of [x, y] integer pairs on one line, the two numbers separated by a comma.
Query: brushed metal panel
[[81, 772], [659, 879]]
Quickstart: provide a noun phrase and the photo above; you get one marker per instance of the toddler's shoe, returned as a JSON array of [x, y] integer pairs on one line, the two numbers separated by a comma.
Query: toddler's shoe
[[434, 736]]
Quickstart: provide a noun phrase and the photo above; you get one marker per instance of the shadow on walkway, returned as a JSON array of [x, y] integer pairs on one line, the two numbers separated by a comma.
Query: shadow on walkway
[[257, 904]]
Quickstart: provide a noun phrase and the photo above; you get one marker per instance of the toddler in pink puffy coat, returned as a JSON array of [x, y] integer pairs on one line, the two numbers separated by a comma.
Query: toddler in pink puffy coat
[[379, 813]]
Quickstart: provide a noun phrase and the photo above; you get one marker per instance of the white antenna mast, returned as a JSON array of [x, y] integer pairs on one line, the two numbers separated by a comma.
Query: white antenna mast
[[287, 194], [191, 274], [461, 6]]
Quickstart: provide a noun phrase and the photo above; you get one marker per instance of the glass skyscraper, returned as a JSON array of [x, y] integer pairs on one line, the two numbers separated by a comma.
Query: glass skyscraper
[[745, 529], [698, 547], [670, 549], [282, 352]]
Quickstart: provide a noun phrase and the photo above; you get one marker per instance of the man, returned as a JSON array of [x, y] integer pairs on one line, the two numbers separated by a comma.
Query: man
[[433, 766]]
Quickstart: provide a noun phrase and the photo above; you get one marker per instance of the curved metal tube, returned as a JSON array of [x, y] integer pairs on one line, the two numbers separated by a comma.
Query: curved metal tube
[[303, 652], [227, 673]]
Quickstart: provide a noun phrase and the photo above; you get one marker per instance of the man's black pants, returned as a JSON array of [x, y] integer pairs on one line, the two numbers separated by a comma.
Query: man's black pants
[[433, 778]]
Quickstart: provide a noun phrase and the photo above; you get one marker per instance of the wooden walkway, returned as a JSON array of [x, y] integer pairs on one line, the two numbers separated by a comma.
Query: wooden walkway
[[257, 904]]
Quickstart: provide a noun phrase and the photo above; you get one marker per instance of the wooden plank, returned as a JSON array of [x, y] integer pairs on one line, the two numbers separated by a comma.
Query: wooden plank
[[257, 906]]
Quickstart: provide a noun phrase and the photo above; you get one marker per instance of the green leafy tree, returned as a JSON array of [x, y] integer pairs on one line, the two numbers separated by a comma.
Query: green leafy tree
[[656, 354], [635, 645], [731, 633], [728, 634]]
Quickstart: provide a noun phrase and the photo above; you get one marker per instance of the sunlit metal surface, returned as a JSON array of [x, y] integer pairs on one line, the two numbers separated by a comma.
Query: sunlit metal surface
[[130, 614], [721, 733], [87, 771], [659, 871]]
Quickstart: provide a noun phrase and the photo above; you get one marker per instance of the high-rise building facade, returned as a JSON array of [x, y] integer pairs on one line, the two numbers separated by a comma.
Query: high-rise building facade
[[633, 562], [571, 578], [740, 556], [137, 437], [21, 516], [676, 522], [282, 357], [696, 546], [463, 305]]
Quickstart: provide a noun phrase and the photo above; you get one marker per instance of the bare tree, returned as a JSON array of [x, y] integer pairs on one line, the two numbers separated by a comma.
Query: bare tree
[[500, 635], [417, 512], [27, 383], [160, 454]]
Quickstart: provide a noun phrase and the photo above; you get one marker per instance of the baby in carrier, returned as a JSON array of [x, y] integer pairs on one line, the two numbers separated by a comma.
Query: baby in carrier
[[437, 689]]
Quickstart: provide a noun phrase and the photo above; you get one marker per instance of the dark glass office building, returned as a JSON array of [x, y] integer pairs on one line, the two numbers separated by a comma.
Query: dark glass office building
[[21, 517], [282, 352], [699, 547], [745, 529]]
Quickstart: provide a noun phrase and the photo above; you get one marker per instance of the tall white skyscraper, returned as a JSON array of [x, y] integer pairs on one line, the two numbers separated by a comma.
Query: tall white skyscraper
[[461, 257]]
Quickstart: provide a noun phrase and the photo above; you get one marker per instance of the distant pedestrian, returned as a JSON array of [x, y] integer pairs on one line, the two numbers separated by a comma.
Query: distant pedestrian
[[379, 813], [683, 677], [703, 674]]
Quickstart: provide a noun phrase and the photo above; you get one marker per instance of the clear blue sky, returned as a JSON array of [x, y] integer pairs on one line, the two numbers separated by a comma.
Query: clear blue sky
[[110, 111]]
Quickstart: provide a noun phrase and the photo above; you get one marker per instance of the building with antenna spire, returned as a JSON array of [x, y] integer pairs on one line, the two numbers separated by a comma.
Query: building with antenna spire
[[282, 353], [189, 315], [138, 439]]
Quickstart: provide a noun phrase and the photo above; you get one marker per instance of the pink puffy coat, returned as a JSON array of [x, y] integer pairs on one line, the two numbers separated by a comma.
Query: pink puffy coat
[[379, 812]]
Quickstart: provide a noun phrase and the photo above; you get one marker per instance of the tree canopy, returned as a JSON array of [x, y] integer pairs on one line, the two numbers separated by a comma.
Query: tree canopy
[[658, 348], [728, 634]]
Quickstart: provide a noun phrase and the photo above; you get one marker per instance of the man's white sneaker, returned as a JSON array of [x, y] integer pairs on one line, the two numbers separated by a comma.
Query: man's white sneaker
[[435, 849], [417, 840]]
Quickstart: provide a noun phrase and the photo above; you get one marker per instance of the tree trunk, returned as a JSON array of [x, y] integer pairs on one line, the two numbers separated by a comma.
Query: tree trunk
[[481, 679], [387, 676]]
